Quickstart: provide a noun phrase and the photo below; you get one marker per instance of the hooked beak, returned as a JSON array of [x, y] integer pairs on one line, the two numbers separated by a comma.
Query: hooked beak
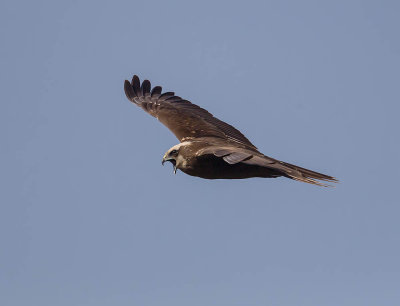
[[173, 162]]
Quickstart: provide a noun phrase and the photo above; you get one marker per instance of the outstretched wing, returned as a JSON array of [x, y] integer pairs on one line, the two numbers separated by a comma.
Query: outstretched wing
[[185, 119]]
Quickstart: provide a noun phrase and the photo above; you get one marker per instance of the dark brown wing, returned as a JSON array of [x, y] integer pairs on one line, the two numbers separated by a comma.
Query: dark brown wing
[[185, 119]]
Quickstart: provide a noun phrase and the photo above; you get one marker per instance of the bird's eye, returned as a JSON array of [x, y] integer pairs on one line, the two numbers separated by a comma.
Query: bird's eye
[[173, 152]]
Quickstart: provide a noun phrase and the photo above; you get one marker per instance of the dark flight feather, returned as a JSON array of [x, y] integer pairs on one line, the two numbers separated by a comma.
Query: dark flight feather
[[166, 95], [136, 85], [146, 86], [156, 91]]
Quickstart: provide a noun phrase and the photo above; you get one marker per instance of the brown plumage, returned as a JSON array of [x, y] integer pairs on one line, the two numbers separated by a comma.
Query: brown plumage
[[210, 148]]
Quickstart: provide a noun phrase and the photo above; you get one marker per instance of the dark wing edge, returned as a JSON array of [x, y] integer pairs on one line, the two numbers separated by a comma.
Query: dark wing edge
[[156, 103]]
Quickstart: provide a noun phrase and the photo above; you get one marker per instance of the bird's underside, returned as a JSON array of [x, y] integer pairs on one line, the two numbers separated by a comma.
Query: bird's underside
[[212, 165], [210, 148]]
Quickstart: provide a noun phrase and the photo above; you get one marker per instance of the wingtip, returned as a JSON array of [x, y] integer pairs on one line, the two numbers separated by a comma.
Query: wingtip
[[146, 87], [135, 79], [129, 92], [136, 85], [156, 91]]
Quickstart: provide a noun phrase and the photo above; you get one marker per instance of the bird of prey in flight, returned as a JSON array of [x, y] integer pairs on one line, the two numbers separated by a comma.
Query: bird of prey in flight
[[210, 148]]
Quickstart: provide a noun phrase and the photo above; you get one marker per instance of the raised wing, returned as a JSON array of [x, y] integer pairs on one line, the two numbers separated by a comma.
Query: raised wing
[[185, 119]]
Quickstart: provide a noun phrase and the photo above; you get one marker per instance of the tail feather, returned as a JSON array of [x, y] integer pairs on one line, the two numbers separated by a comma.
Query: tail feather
[[291, 171], [305, 175]]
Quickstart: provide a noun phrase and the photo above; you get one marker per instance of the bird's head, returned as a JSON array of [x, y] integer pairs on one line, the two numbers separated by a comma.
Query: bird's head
[[172, 156]]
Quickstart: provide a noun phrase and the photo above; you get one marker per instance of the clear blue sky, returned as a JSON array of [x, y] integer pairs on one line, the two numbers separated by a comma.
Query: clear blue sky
[[88, 215]]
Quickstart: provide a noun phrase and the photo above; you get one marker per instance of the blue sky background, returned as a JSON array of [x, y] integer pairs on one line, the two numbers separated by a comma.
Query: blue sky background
[[88, 215]]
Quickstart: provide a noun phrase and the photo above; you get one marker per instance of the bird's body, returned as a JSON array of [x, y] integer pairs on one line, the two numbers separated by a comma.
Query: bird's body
[[197, 158], [210, 148]]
